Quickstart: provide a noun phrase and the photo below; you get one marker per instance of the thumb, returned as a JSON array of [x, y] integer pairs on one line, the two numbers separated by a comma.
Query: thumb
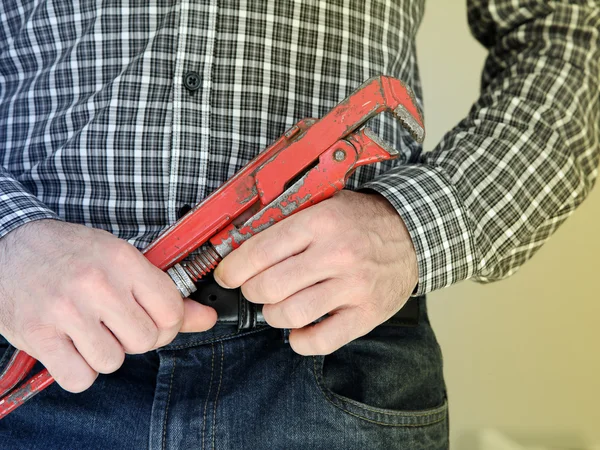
[[197, 317]]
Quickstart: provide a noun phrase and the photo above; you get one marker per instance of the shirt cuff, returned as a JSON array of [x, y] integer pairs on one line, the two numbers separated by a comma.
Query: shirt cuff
[[437, 222], [18, 207]]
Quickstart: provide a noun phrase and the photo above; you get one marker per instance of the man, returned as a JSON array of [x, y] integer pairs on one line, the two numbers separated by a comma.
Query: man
[[115, 118]]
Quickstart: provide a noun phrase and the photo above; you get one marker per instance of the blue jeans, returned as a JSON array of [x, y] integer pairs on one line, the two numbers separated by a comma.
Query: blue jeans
[[227, 390]]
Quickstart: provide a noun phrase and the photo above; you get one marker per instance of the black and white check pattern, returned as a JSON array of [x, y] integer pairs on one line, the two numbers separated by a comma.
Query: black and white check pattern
[[97, 128]]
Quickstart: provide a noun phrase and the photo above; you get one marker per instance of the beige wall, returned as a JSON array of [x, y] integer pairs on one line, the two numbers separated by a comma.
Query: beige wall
[[522, 354]]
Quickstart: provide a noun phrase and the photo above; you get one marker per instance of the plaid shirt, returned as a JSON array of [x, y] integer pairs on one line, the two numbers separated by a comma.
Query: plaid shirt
[[98, 127]]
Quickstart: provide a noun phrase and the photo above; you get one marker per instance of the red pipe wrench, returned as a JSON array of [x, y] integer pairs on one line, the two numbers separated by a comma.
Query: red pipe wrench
[[309, 163]]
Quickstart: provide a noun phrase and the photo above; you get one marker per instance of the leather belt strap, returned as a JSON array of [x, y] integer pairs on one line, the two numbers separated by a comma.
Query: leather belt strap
[[233, 309]]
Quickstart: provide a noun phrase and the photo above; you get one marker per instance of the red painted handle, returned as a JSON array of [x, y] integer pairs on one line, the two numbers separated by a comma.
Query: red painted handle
[[18, 367]]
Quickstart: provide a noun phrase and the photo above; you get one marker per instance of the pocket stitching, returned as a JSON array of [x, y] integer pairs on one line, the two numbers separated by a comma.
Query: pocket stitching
[[437, 414]]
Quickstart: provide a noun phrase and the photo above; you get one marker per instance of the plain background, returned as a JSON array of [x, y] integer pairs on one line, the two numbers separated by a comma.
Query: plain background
[[521, 355]]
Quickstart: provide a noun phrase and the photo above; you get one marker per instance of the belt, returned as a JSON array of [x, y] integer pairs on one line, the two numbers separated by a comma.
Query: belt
[[233, 308]]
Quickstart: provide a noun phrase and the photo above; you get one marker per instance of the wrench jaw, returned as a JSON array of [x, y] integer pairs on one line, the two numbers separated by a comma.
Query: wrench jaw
[[410, 124], [390, 94], [383, 144], [407, 111]]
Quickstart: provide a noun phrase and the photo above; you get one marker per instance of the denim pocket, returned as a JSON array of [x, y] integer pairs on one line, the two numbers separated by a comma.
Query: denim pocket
[[392, 377]]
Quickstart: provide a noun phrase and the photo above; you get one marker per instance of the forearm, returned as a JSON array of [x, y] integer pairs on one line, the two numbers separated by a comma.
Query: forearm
[[498, 185]]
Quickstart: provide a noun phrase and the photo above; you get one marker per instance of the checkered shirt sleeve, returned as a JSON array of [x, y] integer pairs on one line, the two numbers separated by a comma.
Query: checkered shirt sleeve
[[19, 206], [501, 182]]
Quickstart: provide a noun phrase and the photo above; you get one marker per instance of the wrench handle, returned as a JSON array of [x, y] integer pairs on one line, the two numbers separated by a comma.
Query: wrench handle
[[322, 181]]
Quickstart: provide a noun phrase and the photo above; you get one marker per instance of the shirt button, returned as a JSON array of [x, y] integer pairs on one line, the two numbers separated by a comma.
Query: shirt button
[[183, 211], [191, 81]]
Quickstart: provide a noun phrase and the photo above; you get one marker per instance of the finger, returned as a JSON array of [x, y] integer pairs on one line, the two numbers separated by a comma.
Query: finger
[[288, 277], [197, 317], [68, 368], [269, 247], [98, 346], [325, 337], [158, 296], [129, 323], [305, 306]]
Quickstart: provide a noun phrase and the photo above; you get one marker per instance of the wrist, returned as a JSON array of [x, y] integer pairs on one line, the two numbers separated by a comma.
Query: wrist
[[392, 222]]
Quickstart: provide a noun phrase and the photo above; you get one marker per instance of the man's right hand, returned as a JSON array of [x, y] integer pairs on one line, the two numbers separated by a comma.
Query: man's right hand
[[77, 299]]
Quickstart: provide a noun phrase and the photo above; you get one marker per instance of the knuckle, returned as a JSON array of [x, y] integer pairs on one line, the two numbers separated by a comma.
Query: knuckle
[[266, 289], [41, 336], [314, 301], [89, 277], [294, 316], [124, 253], [330, 212], [274, 316], [322, 346], [66, 309], [170, 320], [267, 311], [248, 291], [326, 219], [292, 230], [166, 338], [343, 254], [257, 256], [260, 289], [144, 340], [108, 361], [171, 317]]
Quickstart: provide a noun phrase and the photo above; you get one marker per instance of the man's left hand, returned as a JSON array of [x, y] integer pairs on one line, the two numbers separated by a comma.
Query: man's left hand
[[350, 257]]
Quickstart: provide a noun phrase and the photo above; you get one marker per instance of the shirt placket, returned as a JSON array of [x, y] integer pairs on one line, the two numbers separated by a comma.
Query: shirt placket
[[192, 85]]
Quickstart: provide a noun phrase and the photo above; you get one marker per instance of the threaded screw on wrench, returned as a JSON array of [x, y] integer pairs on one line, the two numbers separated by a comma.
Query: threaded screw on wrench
[[203, 262], [185, 274]]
